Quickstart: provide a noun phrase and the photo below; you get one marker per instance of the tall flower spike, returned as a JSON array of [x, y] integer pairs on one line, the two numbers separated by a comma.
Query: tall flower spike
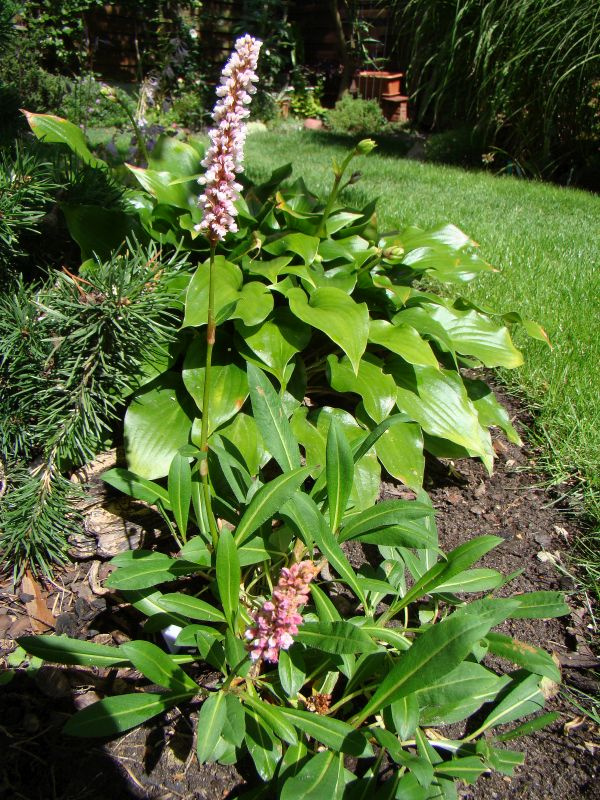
[[225, 155], [276, 623]]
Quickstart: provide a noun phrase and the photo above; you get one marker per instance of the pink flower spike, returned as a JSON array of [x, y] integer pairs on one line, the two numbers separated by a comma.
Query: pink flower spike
[[276, 623], [225, 155]]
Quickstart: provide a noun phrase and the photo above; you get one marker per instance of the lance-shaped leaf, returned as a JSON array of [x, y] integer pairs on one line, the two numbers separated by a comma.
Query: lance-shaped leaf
[[62, 650], [274, 718], [337, 637], [440, 648], [229, 576], [180, 490], [332, 311], [272, 420], [322, 776], [139, 488], [525, 655], [541, 605], [399, 513], [190, 606], [263, 746], [524, 698], [211, 720], [120, 713], [339, 469], [291, 670], [338, 735], [158, 667]]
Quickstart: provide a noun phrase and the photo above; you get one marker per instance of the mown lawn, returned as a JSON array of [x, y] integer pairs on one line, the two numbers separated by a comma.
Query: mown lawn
[[545, 242]]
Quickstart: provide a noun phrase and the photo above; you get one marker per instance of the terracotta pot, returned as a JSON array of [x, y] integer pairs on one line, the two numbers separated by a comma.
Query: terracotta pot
[[373, 84], [313, 124]]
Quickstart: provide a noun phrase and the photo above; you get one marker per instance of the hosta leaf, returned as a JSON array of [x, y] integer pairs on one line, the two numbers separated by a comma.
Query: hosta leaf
[[475, 334], [489, 410], [228, 282], [56, 130], [335, 637], [158, 667], [211, 720], [228, 383], [157, 423], [332, 311], [400, 450], [255, 303], [276, 340], [403, 340], [120, 713], [272, 421], [229, 576], [301, 244], [440, 648], [377, 390]]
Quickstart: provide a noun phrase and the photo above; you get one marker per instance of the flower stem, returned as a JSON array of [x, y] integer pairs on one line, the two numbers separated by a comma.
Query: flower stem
[[211, 329]]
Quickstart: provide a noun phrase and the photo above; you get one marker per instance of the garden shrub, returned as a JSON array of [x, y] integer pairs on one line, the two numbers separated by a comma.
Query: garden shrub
[[262, 453], [355, 115], [462, 147]]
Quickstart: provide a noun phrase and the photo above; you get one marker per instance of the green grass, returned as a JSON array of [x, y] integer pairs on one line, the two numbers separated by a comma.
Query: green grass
[[544, 241]]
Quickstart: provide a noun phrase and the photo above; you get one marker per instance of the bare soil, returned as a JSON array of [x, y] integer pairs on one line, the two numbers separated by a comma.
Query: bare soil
[[156, 761]]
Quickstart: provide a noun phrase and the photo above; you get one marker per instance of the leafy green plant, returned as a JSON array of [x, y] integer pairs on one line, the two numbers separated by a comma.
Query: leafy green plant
[[355, 115]]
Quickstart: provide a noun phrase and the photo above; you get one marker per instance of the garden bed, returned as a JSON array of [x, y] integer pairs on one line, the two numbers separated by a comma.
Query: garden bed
[[158, 759]]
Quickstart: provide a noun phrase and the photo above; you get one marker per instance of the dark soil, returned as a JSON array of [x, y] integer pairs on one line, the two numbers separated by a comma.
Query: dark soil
[[156, 761]]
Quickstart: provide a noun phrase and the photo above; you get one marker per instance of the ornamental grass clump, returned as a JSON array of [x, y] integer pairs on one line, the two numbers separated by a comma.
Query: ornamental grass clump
[[331, 358]]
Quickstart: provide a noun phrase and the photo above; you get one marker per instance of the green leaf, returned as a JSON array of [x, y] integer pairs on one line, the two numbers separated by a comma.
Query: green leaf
[[467, 769], [321, 777], [264, 748], [541, 605], [158, 667], [235, 721], [276, 340], [268, 501], [472, 580], [189, 606], [211, 720], [527, 728], [274, 718], [100, 231], [180, 490], [139, 488], [332, 311], [299, 243], [175, 156], [525, 698], [272, 421], [440, 648], [475, 334], [438, 401], [147, 572], [403, 340], [229, 576], [398, 513], [228, 282], [339, 470], [292, 671], [335, 637], [157, 423], [242, 432], [255, 303], [377, 389], [228, 383], [525, 655], [400, 450], [62, 650], [489, 410], [120, 713], [338, 735], [56, 130]]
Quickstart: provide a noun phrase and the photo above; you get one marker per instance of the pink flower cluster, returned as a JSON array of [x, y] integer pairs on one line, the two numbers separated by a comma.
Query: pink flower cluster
[[277, 621], [226, 153]]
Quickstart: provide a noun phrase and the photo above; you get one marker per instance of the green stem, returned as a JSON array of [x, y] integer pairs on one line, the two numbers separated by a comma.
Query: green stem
[[211, 329]]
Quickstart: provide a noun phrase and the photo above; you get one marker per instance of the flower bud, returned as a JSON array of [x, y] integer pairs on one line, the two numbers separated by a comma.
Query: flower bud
[[365, 146]]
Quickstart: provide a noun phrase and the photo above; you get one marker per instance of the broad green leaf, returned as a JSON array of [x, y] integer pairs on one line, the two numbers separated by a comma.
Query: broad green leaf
[[338, 735], [211, 720], [272, 421], [120, 713], [442, 407], [229, 576], [472, 580], [235, 721], [56, 130], [228, 383], [157, 423], [339, 470], [504, 761], [228, 282], [189, 606], [299, 243], [268, 501], [377, 389], [335, 313], [400, 450], [335, 637], [180, 490], [541, 605], [263, 746], [525, 655], [321, 777], [276, 340], [292, 671], [403, 340], [100, 231], [158, 667], [525, 698], [242, 432], [489, 410], [440, 648], [139, 488], [175, 156], [475, 334], [255, 303], [150, 571], [62, 650]]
